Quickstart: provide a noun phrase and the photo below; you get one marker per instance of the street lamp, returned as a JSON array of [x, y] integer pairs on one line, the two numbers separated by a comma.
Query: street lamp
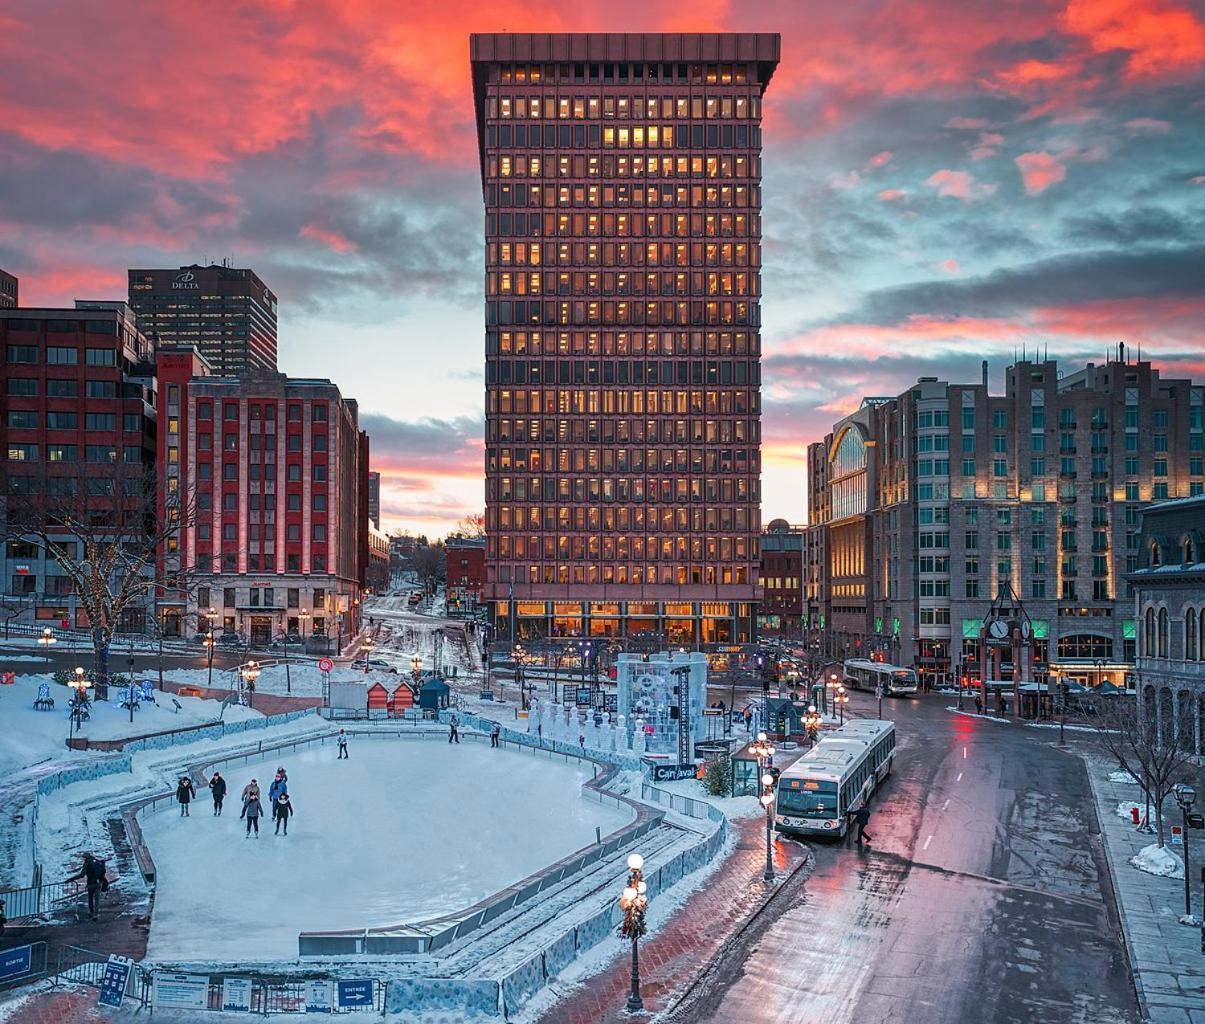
[[763, 750], [303, 617], [811, 723], [1185, 796], [368, 646], [47, 640], [416, 666], [841, 699], [833, 682], [250, 673], [133, 702], [82, 685], [634, 902], [208, 641]]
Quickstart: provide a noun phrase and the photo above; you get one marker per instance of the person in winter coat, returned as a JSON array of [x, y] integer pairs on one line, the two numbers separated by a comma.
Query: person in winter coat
[[184, 794], [280, 785], [93, 874], [252, 809], [862, 817], [281, 813], [494, 733], [342, 746], [217, 789], [454, 732], [252, 788]]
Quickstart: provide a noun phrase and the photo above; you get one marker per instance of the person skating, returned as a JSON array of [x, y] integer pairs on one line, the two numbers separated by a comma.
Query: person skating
[[252, 809], [217, 789], [862, 817], [454, 731], [93, 874], [494, 733], [252, 788], [342, 746], [281, 813], [184, 794], [280, 785]]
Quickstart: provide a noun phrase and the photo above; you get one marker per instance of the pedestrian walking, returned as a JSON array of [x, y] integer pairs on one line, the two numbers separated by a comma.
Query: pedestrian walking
[[281, 813], [862, 818], [184, 794], [454, 732], [93, 872], [217, 789], [252, 809], [978, 704], [494, 734], [748, 719], [342, 746], [280, 786]]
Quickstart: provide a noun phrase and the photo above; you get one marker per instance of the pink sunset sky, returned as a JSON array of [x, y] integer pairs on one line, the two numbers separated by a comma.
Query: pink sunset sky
[[945, 182]]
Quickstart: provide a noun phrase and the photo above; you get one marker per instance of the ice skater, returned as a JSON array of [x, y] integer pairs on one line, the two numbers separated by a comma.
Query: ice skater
[[217, 789], [280, 786], [249, 790], [494, 733], [342, 746], [454, 731], [862, 818], [281, 812], [252, 809], [93, 873], [184, 794]]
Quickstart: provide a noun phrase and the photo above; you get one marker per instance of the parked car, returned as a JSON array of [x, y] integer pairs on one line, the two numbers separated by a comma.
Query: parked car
[[380, 665], [230, 639]]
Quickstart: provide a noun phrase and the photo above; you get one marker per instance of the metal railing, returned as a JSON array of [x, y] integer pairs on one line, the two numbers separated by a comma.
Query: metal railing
[[23, 964], [87, 967], [36, 900], [288, 995]]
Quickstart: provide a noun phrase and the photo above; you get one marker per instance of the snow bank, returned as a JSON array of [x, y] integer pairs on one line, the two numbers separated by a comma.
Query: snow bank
[[1126, 808], [734, 807], [1158, 860], [1123, 778]]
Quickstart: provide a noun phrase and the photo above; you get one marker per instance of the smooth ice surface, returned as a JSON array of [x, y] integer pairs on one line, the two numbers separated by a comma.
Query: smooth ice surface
[[401, 831]]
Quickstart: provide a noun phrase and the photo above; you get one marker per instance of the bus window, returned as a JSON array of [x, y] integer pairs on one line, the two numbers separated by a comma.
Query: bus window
[[813, 799]]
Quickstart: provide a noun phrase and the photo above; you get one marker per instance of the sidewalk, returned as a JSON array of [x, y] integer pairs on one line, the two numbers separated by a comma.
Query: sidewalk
[[680, 950], [1169, 970]]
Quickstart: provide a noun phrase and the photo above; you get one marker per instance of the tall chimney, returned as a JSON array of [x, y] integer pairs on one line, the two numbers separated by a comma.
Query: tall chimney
[[984, 365]]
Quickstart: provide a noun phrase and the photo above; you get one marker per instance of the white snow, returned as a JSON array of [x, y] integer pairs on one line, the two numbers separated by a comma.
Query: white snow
[[30, 736], [734, 807], [1122, 777], [1125, 810], [401, 831], [1158, 860]]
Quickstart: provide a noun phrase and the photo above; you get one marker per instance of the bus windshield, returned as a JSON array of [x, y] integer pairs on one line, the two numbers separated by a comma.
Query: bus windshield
[[807, 798], [905, 675]]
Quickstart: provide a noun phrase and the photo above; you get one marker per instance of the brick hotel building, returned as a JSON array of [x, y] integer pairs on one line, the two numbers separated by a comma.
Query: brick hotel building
[[621, 176]]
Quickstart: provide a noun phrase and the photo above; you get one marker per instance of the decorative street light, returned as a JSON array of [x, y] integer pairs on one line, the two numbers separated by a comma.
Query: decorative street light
[[208, 641], [1185, 796], [763, 750], [250, 673], [416, 666], [841, 699], [634, 902], [518, 657], [81, 685], [811, 723], [131, 699], [368, 645], [303, 617], [47, 640]]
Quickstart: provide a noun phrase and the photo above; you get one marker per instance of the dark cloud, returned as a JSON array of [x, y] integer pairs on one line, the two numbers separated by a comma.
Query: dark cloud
[[447, 445], [1142, 225], [1063, 280]]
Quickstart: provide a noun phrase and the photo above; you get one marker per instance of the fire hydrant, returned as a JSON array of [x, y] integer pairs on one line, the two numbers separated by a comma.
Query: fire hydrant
[[1134, 816]]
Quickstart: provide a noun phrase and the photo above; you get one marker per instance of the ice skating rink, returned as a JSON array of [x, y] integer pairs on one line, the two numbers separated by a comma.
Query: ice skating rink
[[403, 830]]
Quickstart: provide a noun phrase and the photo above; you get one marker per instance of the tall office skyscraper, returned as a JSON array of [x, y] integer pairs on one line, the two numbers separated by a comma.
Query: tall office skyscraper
[[227, 312], [622, 182], [8, 291]]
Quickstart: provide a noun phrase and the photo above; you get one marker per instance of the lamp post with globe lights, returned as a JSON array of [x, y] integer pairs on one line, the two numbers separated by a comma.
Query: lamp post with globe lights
[[303, 617], [634, 901], [811, 723], [416, 666], [1185, 796], [208, 641], [841, 698], [46, 641], [249, 673], [763, 750], [81, 684]]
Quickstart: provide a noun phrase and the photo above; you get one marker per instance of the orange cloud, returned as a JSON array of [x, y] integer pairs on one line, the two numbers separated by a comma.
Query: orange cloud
[[332, 239], [953, 184], [1162, 39], [892, 195], [1039, 171]]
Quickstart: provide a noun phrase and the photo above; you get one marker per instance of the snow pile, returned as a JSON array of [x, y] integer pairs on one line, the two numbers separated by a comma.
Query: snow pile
[[734, 807], [1126, 808], [1122, 777], [401, 831], [28, 736], [1158, 860]]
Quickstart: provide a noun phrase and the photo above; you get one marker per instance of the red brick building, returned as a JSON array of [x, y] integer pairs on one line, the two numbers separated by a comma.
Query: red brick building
[[79, 400], [280, 527], [621, 176], [464, 563], [781, 610]]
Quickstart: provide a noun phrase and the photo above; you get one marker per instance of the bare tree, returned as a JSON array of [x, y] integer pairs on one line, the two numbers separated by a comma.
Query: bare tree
[[105, 532], [429, 564], [472, 525], [1157, 757]]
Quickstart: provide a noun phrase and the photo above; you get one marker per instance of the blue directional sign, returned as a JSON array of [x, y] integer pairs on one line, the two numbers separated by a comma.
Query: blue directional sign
[[113, 982], [356, 993], [15, 962]]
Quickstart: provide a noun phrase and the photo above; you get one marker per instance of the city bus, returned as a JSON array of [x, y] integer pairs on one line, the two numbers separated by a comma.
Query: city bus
[[818, 793], [867, 675]]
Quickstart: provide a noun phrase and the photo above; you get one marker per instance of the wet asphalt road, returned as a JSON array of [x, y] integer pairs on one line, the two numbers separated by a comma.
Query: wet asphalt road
[[983, 899]]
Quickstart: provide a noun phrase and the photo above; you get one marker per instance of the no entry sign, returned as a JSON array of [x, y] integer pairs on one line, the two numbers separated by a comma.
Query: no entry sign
[[325, 665]]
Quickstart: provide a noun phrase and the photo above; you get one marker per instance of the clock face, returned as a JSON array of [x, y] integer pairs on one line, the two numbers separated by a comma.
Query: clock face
[[1025, 630], [999, 629]]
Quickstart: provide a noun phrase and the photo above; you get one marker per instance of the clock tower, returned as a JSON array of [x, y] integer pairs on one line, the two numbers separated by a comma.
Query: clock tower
[[1007, 628]]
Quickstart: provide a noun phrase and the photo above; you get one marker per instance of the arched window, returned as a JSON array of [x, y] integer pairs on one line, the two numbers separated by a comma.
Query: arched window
[[1156, 556], [1148, 633], [1190, 634], [1164, 628]]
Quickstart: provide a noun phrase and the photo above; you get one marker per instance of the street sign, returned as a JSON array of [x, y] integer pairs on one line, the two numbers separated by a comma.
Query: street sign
[[15, 962], [673, 772], [113, 981], [318, 996], [1177, 835], [236, 995], [180, 991], [352, 994], [712, 712], [325, 664], [582, 698]]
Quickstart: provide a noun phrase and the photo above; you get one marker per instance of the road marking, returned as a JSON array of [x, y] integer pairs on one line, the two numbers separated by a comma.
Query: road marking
[[927, 842], [945, 805], [964, 751], [959, 779]]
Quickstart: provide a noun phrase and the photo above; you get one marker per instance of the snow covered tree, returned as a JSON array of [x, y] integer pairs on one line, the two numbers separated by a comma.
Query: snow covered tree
[[104, 531], [1158, 754]]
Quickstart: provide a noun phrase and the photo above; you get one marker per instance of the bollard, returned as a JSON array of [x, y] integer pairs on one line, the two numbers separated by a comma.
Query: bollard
[[598, 834]]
